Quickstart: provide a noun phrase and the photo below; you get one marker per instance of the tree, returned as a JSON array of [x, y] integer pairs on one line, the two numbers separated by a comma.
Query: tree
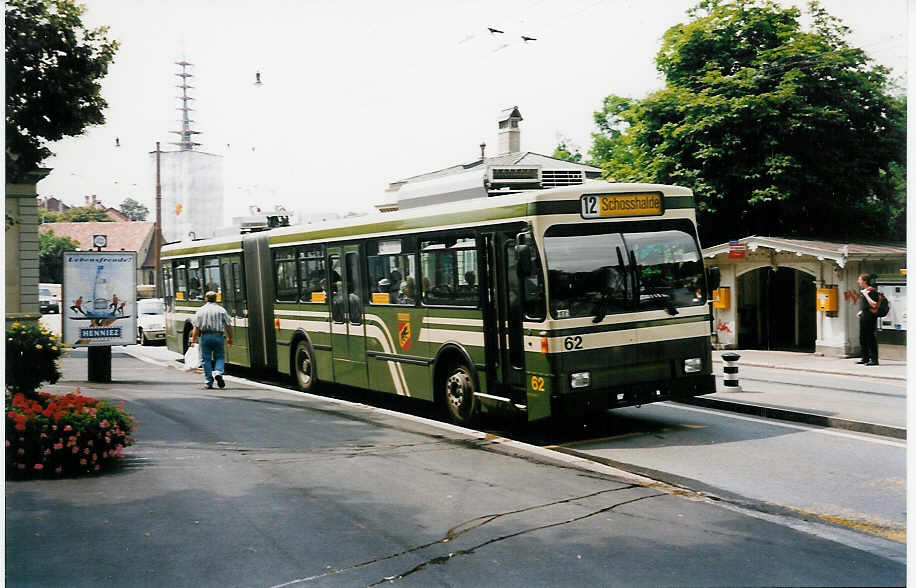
[[567, 152], [134, 210], [50, 260], [83, 214], [53, 70], [778, 130]]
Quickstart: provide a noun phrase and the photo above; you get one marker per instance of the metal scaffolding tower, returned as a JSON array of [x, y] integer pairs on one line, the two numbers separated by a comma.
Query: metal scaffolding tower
[[187, 135]]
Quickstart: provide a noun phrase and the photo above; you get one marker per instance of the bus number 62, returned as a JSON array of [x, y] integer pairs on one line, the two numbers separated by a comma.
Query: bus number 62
[[571, 343]]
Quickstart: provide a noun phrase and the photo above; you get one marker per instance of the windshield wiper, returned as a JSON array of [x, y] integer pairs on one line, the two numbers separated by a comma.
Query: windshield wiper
[[601, 307], [669, 306]]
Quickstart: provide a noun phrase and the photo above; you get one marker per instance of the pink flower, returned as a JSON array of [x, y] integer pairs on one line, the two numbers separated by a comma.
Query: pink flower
[[68, 428], [44, 436], [96, 468], [39, 467], [47, 452], [82, 462], [86, 451], [58, 469], [75, 449]]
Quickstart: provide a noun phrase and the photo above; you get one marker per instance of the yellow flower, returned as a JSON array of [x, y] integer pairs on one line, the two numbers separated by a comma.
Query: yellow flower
[[54, 347], [15, 325], [38, 347]]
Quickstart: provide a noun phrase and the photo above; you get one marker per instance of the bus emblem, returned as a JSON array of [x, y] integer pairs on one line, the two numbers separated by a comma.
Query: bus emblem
[[404, 331]]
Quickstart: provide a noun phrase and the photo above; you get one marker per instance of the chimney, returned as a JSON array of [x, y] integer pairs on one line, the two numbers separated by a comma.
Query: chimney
[[483, 149], [510, 140]]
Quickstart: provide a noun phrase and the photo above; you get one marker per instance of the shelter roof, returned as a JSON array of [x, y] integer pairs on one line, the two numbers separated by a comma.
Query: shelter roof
[[839, 252], [517, 158]]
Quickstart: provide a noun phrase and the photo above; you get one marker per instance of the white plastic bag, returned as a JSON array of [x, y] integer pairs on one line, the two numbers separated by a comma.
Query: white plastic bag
[[192, 357]]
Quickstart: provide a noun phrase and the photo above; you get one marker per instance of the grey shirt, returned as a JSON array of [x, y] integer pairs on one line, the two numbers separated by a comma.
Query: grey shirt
[[211, 318]]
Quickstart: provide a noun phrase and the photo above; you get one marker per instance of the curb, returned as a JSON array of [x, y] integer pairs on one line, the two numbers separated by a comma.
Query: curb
[[818, 371], [794, 416]]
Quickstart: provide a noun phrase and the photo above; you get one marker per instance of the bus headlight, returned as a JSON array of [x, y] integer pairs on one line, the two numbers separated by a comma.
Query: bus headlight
[[580, 379], [693, 365]]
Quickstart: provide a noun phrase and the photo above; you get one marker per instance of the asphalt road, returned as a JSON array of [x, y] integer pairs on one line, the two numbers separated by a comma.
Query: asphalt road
[[255, 486]]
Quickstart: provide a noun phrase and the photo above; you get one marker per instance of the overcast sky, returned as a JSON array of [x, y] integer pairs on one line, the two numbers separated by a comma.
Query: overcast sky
[[359, 94]]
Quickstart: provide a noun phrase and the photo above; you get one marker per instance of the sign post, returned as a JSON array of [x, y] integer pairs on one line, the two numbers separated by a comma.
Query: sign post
[[99, 302]]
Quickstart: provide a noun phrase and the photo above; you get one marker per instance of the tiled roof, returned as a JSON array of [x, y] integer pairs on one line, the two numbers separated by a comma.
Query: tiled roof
[[129, 236]]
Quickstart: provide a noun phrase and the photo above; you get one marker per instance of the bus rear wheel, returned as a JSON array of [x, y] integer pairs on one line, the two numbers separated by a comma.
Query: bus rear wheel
[[304, 366], [459, 394]]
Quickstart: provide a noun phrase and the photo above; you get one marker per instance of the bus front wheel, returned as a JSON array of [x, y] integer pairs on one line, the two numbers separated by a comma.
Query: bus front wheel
[[304, 366], [459, 394]]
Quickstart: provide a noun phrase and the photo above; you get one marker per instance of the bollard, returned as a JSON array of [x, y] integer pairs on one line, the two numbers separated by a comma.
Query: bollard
[[730, 371]]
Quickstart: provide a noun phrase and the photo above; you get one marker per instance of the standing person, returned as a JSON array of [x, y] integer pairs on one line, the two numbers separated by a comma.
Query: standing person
[[209, 323], [868, 320]]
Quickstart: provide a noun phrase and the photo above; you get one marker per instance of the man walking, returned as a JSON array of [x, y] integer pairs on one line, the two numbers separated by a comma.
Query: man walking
[[209, 323]]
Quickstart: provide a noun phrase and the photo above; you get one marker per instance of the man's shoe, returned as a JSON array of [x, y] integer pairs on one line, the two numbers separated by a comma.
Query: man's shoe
[[208, 386], [862, 361], [872, 363], [220, 381]]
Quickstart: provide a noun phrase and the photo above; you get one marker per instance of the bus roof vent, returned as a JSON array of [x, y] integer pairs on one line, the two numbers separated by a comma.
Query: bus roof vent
[[553, 178]]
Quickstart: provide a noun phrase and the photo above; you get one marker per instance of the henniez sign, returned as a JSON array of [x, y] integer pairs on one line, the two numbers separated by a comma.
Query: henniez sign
[[99, 298]]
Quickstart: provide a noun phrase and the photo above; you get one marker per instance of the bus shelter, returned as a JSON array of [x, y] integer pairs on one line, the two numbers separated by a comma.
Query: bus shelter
[[801, 295]]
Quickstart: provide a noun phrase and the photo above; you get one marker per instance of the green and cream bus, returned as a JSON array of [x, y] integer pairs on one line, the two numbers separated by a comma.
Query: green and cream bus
[[548, 303]]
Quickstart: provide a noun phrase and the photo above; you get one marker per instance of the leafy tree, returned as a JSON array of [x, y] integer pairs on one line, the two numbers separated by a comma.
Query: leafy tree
[[134, 210], [54, 66], [83, 214], [565, 152], [50, 260], [778, 130]]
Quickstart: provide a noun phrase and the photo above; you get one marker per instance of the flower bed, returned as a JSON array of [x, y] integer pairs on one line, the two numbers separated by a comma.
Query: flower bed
[[63, 435], [32, 354]]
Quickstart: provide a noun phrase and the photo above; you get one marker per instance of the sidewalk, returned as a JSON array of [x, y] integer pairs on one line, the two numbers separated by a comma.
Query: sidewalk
[[816, 390], [809, 362]]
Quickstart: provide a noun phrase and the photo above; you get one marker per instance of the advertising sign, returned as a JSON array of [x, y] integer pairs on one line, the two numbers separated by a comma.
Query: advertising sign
[[99, 300]]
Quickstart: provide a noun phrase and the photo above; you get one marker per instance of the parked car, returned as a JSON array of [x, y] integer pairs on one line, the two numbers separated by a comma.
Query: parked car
[[150, 320], [47, 302]]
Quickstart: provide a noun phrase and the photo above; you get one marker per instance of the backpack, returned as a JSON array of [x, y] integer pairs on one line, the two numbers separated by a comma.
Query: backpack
[[883, 306]]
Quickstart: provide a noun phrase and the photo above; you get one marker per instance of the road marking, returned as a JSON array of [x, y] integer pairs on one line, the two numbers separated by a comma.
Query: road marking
[[775, 423]]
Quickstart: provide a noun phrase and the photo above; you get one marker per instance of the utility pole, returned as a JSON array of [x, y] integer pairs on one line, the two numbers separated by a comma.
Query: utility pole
[[157, 230]]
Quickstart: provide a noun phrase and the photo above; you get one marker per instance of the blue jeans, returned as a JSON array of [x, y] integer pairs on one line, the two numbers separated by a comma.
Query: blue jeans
[[212, 354]]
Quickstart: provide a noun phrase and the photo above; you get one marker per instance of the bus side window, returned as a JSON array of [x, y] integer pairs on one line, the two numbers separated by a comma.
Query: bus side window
[[449, 271], [181, 280], [285, 277], [531, 279], [195, 281], [237, 282], [311, 274], [334, 289], [354, 292], [211, 276]]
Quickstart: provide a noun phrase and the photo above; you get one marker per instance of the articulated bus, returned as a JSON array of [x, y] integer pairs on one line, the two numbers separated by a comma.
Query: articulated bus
[[546, 303]]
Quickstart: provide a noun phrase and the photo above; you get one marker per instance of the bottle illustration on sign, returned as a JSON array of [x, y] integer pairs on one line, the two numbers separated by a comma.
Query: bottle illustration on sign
[[105, 305]]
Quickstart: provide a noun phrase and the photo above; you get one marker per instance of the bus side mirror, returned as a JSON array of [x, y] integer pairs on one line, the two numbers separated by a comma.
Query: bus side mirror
[[715, 278]]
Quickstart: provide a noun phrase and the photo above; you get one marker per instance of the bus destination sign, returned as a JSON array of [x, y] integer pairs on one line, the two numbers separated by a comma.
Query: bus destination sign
[[625, 204]]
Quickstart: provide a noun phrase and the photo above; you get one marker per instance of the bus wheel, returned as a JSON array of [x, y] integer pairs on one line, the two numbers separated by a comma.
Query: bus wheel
[[459, 394], [304, 366]]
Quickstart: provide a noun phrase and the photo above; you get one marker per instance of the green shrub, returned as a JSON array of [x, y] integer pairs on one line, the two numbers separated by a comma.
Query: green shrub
[[63, 435], [32, 354]]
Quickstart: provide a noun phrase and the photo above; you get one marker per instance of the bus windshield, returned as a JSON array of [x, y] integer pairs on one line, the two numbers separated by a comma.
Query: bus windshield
[[600, 269]]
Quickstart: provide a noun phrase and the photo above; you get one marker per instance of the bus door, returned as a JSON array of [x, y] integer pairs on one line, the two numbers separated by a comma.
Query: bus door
[[233, 300], [348, 332], [504, 339]]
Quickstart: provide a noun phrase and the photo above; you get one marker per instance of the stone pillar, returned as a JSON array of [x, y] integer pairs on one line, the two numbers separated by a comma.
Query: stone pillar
[[22, 247]]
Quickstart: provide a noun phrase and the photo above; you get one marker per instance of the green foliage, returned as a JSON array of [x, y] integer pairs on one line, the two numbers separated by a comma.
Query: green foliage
[[52, 436], [134, 210], [54, 66], [32, 354], [563, 151], [50, 252], [83, 214], [778, 130]]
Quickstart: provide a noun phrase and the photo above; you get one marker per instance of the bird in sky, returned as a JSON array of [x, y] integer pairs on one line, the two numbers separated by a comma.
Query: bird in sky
[[493, 31], [526, 39]]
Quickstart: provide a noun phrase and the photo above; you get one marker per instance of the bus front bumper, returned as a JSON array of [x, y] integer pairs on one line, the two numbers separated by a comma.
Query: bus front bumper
[[577, 403]]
